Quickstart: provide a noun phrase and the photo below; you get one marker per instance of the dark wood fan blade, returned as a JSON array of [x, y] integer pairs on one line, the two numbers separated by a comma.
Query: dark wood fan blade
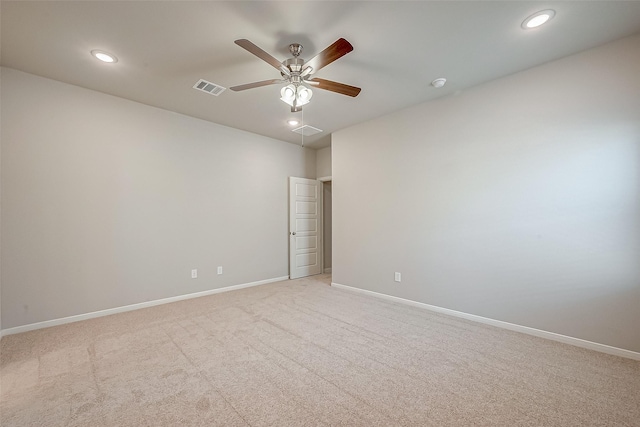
[[337, 50], [257, 84], [252, 48], [335, 87]]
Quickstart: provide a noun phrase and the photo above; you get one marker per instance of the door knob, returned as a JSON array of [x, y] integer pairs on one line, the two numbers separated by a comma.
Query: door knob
[[293, 233]]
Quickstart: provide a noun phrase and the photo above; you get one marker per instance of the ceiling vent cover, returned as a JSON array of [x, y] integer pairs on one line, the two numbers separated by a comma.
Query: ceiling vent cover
[[208, 87], [307, 130]]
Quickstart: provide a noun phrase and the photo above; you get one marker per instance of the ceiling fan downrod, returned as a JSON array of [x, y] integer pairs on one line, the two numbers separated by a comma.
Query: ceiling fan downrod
[[294, 65]]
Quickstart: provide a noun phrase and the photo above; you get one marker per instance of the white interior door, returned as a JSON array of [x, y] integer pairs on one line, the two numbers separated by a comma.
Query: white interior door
[[305, 227]]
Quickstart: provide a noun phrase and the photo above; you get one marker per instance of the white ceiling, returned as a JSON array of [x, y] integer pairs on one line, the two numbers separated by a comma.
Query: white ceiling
[[165, 47]]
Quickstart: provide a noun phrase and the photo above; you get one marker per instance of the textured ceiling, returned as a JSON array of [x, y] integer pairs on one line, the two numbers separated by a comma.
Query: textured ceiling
[[165, 47]]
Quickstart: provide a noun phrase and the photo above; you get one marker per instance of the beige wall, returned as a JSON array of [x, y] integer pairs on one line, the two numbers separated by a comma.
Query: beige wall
[[107, 202], [518, 200], [323, 162]]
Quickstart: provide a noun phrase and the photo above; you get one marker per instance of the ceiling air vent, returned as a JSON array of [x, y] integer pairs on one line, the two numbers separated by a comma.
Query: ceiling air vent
[[208, 87], [307, 130]]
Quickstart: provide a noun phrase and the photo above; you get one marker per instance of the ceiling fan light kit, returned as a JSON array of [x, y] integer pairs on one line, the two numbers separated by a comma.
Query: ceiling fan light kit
[[298, 73], [296, 96]]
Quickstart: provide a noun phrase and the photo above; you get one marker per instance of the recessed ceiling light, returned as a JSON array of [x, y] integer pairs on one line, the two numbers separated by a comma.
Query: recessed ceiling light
[[104, 56], [438, 83], [538, 19], [293, 122]]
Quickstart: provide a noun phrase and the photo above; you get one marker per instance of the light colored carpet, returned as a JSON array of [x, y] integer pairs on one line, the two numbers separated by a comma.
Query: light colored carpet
[[302, 353]]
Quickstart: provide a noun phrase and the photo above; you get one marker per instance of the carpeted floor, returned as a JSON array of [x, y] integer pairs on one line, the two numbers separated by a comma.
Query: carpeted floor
[[300, 353]]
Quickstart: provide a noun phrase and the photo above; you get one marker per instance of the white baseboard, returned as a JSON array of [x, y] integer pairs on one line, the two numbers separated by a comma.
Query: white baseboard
[[109, 311], [603, 348], [327, 270]]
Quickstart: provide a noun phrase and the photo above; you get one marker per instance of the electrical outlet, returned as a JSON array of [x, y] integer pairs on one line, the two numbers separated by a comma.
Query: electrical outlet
[[219, 270], [398, 277], [194, 273]]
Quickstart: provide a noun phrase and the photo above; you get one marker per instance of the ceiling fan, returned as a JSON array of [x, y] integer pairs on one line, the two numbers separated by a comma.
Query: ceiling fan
[[297, 73]]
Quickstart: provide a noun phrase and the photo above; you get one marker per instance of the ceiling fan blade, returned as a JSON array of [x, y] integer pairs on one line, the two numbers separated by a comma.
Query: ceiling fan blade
[[334, 87], [252, 48], [337, 50], [257, 84]]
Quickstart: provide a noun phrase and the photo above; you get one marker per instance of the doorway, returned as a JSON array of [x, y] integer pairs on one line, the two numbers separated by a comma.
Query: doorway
[[326, 225]]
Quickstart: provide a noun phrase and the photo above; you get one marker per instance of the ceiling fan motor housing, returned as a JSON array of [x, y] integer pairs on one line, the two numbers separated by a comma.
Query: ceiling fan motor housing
[[295, 65]]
